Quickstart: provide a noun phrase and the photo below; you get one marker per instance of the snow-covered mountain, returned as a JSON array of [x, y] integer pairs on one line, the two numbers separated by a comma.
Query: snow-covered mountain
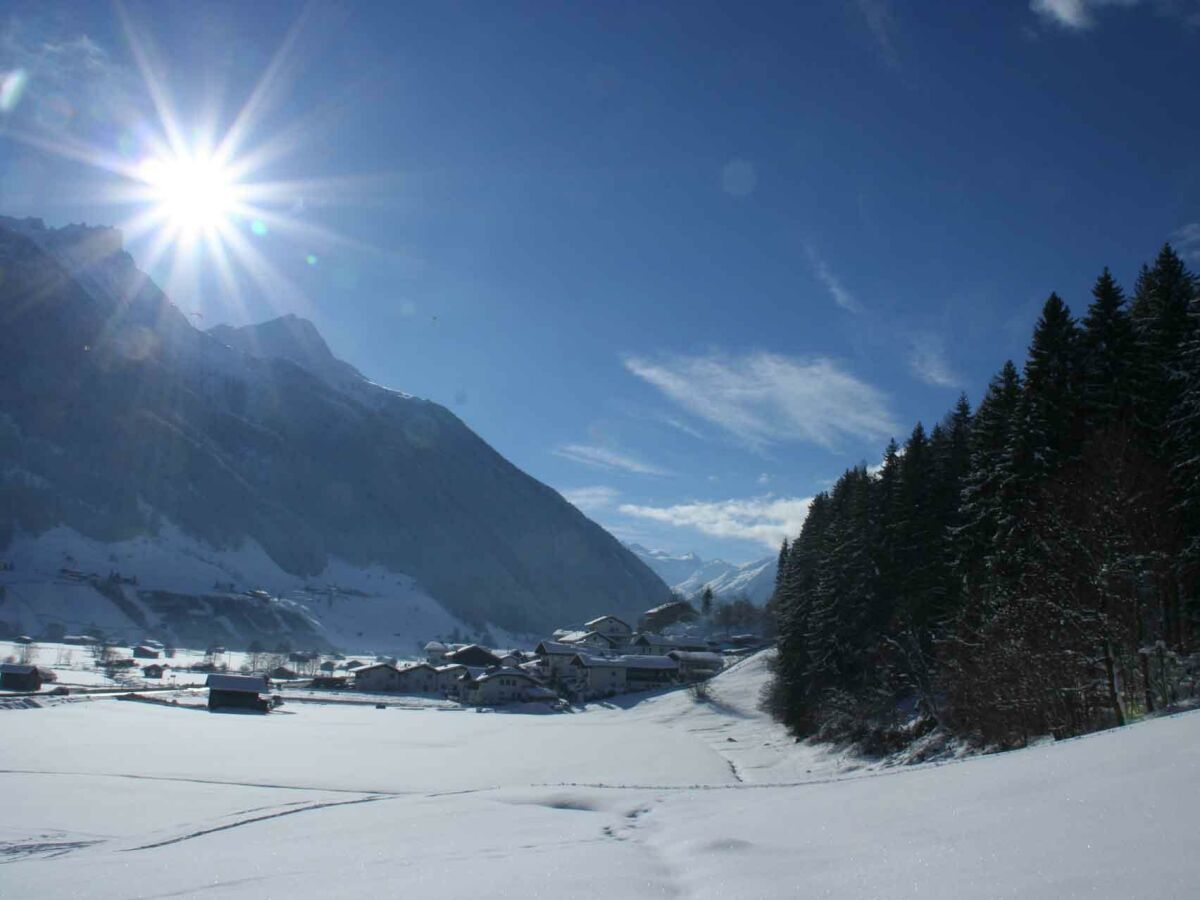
[[689, 575], [120, 420]]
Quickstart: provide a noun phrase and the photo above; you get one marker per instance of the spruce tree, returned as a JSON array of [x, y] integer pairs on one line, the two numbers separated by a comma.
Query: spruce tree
[[1107, 356]]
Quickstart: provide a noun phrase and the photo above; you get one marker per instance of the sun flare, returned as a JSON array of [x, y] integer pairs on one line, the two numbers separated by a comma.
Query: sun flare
[[193, 193]]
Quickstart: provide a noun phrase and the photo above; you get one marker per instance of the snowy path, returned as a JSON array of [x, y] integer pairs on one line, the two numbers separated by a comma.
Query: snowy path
[[110, 799]]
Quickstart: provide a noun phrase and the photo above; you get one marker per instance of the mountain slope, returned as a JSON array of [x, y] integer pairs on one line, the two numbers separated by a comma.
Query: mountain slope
[[117, 415], [689, 575]]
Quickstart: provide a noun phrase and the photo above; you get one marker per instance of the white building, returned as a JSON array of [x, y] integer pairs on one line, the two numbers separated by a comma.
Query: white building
[[592, 640], [592, 676], [503, 686], [610, 626]]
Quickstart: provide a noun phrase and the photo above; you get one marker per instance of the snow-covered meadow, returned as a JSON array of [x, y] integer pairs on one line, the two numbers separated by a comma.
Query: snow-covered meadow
[[667, 797]]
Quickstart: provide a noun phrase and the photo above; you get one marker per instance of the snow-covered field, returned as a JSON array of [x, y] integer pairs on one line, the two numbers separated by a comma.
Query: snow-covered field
[[665, 798]]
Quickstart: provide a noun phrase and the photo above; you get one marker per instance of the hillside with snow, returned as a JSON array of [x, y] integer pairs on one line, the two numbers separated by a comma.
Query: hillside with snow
[[689, 575], [122, 423], [665, 797]]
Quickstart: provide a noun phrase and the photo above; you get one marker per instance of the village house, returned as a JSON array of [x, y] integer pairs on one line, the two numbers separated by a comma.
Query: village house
[[556, 659], [377, 677], [238, 692], [697, 665], [592, 676], [449, 678], [593, 640], [661, 645], [154, 670], [419, 679], [144, 651], [611, 627], [645, 672], [501, 686], [666, 615], [473, 655]]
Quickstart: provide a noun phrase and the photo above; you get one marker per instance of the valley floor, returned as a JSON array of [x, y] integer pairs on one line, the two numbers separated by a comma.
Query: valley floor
[[665, 798]]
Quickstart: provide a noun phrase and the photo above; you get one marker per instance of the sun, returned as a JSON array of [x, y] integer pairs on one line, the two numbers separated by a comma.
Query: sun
[[191, 192]]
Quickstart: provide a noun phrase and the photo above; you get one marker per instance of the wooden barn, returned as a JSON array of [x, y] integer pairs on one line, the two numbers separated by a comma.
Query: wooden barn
[[238, 692], [20, 677]]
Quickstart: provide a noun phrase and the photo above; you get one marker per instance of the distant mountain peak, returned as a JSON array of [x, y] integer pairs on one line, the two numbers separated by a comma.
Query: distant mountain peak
[[689, 574]]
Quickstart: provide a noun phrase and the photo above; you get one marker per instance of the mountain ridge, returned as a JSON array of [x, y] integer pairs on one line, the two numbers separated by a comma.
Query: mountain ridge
[[120, 414], [688, 574]]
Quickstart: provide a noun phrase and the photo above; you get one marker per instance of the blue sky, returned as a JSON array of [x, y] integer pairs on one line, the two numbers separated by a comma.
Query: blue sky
[[684, 263]]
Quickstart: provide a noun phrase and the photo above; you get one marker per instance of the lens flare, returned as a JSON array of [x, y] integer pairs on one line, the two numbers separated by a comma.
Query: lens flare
[[193, 193]]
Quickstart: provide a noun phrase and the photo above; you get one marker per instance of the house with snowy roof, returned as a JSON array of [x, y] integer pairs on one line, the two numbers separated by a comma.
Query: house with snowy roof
[[502, 686], [610, 626]]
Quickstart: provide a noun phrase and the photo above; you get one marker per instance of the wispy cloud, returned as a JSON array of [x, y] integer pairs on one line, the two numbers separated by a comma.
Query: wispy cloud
[[841, 296], [599, 457], [66, 82], [1077, 15], [1187, 240], [765, 398], [881, 22], [766, 520], [592, 499], [927, 360]]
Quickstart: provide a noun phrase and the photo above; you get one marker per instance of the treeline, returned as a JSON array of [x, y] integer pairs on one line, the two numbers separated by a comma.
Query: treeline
[[1028, 568]]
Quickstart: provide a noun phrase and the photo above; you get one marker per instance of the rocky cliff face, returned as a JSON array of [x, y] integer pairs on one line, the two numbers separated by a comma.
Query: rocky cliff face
[[116, 415]]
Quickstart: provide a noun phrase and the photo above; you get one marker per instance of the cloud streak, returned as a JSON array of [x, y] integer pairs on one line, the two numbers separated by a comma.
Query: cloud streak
[[927, 361], [604, 458], [1075, 15], [841, 296], [766, 398], [766, 520]]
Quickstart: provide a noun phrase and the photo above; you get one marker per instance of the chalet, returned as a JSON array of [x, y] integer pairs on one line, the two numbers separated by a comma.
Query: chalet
[[644, 672], [379, 677], [144, 651], [592, 676], [434, 652], [238, 692], [501, 686], [666, 615], [154, 670], [612, 627], [556, 658], [473, 655], [695, 665], [449, 678], [419, 679], [661, 645], [593, 640], [283, 673], [513, 659], [19, 677]]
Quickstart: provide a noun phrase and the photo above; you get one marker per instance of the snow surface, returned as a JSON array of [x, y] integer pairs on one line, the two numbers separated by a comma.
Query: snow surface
[[117, 799], [369, 609]]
